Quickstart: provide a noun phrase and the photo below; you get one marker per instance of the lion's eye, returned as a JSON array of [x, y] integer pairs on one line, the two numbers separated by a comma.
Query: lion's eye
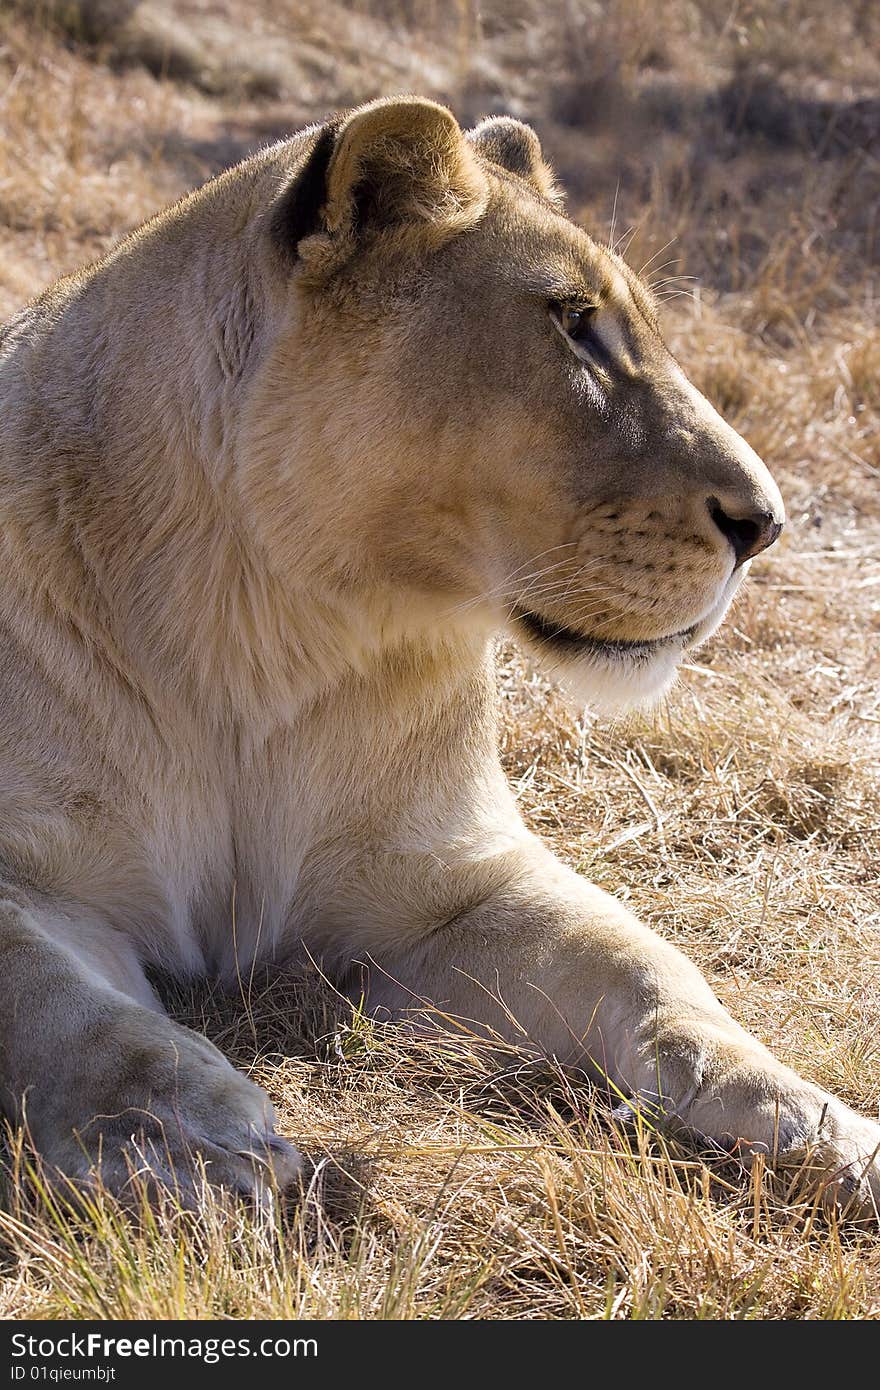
[[575, 320]]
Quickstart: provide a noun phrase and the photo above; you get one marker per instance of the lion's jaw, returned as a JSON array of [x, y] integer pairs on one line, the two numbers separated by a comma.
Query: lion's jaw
[[615, 675]]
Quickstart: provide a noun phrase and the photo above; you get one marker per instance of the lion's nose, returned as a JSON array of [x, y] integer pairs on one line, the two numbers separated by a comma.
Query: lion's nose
[[748, 535]]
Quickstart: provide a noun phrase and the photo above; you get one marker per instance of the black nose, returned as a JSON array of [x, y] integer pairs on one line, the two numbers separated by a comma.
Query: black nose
[[748, 535]]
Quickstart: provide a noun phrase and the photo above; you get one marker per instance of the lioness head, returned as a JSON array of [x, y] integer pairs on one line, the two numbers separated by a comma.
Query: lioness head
[[477, 396]]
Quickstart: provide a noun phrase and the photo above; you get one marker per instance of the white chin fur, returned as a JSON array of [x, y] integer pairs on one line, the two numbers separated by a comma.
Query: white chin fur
[[609, 684]]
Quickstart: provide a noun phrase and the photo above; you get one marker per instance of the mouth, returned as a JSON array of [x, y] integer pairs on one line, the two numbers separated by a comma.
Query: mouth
[[615, 673], [568, 642]]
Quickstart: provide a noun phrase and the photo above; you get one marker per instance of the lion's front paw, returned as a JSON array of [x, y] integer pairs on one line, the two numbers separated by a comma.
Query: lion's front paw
[[732, 1092], [159, 1106], [817, 1141], [841, 1157]]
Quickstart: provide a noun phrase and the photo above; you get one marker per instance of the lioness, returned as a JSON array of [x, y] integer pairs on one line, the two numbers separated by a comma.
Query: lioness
[[272, 476]]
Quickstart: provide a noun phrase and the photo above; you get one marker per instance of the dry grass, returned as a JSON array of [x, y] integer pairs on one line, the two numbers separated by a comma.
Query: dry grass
[[743, 820]]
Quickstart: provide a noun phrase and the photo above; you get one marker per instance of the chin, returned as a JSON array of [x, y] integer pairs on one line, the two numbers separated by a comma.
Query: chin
[[620, 680], [611, 676]]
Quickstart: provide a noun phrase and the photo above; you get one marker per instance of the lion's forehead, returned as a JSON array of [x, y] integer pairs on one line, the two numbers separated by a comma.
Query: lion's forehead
[[548, 255]]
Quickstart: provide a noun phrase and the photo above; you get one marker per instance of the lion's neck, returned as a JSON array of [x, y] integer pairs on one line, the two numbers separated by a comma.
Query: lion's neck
[[121, 389], [116, 520]]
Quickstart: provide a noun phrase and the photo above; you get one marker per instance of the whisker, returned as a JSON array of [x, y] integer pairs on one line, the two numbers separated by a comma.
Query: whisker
[[563, 590], [549, 591], [656, 254], [673, 274], [504, 583], [672, 280], [630, 237], [556, 589], [582, 613], [657, 268], [614, 214], [599, 597]]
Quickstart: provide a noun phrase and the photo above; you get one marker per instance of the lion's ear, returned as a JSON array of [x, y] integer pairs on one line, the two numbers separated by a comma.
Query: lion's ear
[[401, 160], [397, 162], [298, 212], [515, 147]]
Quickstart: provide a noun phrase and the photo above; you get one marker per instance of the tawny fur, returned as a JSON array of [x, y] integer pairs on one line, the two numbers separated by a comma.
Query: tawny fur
[[263, 508]]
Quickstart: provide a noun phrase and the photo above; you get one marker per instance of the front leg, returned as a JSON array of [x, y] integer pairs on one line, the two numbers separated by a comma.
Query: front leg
[[593, 986], [106, 1084]]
